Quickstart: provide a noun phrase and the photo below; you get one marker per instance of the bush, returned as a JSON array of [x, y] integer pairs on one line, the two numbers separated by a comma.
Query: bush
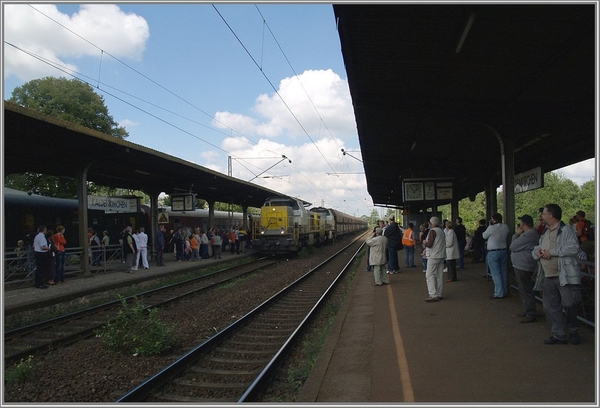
[[137, 331], [21, 371]]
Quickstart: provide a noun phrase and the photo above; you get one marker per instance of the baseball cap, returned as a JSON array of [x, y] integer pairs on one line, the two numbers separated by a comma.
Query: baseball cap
[[392, 217], [527, 219]]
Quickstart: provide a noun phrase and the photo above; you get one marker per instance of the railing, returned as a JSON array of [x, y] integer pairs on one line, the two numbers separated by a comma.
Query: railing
[[20, 267]]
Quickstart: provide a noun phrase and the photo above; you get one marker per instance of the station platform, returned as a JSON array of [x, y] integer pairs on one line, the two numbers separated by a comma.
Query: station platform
[[27, 296], [387, 345]]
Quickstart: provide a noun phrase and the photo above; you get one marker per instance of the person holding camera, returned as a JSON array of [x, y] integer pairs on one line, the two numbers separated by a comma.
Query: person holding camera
[[497, 257]]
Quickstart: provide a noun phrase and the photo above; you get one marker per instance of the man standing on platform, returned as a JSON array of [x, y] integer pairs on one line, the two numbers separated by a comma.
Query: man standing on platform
[[159, 242], [461, 237], [558, 276], [42, 261], [393, 235], [378, 245], [436, 254], [497, 257], [523, 242], [408, 241]]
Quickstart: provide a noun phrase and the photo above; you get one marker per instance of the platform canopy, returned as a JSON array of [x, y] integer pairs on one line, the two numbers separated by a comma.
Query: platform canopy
[[37, 143], [437, 87]]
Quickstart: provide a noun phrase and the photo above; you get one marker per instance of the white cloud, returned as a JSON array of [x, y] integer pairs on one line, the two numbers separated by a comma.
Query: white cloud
[[318, 100], [580, 172], [128, 123], [37, 29]]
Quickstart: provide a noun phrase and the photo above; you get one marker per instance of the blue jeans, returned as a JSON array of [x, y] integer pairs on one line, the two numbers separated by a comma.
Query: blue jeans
[[497, 262], [409, 256], [392, 259], [61, 257]]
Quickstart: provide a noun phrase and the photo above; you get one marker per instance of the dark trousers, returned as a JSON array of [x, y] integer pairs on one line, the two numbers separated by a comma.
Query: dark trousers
[[451, 264], [41, 262], [526, 283], [159, 256], [461, 253], [561, 304]]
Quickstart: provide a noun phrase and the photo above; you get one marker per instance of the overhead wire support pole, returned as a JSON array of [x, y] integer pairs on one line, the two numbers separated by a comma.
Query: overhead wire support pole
[[345, 152], [283, 158]]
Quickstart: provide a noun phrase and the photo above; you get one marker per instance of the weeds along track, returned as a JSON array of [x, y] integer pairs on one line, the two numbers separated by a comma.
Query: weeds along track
[[47, 335], [237, 363]]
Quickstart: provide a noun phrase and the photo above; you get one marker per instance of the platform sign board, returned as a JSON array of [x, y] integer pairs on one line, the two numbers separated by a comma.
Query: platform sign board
[[427, 190], [183, 202], [529, 180], [114, 204]]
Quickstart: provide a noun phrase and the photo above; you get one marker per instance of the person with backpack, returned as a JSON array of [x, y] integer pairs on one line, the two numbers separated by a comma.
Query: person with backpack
[[585, 234]]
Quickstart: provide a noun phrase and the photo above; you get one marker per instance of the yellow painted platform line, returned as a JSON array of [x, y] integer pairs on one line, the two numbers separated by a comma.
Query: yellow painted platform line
[[407, 389]]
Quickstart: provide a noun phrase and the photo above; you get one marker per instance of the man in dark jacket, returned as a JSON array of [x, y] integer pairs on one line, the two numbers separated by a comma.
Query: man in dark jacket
[[159, 242], [393, 234], [461, 236]]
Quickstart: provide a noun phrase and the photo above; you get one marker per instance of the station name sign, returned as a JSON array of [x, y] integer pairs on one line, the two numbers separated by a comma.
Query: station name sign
[[529, 180], [113, 204]]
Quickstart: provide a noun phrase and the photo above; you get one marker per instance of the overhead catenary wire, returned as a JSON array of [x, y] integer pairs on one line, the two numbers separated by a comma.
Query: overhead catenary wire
[[103, 87], [260, 68]]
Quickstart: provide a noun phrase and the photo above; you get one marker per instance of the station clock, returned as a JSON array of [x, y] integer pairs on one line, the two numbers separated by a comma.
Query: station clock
[[413, 191]]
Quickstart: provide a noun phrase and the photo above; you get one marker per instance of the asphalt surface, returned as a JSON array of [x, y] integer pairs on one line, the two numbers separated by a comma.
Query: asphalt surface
[[388, 345]]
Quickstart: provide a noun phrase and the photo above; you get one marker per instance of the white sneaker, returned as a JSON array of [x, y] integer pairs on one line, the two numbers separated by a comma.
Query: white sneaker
[[388, 272], [445, 269]]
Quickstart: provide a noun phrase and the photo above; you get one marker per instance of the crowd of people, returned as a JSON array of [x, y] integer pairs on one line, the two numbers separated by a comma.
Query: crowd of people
[[50, 257], [545, 257], [192, 245]]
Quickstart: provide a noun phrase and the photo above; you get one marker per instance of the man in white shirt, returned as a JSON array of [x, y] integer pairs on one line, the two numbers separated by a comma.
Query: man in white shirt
[[143, 248], [41, 248], [496, 235]]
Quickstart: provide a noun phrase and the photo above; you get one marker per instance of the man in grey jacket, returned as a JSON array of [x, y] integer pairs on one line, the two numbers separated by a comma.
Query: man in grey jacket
[[377, 257], [523, 242], [436, 254], [558, 276]]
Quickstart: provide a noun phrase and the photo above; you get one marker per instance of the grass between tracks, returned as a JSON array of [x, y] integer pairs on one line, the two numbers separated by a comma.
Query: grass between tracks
[[33, 316], [289, 379]]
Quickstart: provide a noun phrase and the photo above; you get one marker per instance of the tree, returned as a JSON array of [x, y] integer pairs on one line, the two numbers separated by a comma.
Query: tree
[[72, 101]]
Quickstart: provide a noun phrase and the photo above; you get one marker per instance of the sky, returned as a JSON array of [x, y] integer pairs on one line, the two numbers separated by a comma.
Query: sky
[[214, 83]]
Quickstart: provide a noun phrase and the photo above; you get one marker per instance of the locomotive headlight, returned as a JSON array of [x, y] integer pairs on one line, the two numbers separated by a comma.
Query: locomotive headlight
[[282, 231]]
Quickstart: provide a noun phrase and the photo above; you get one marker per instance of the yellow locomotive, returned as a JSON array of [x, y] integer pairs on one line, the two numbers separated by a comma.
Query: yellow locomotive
[[287, 225]]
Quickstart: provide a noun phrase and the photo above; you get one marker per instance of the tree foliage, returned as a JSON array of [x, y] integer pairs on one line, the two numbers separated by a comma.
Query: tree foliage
[[557, 189], [70, 100]]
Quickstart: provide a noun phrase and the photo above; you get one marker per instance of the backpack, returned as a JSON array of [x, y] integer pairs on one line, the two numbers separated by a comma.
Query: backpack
[[589, 230]]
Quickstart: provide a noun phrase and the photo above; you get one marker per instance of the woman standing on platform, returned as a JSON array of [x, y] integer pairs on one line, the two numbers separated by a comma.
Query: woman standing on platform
[[60, 241]]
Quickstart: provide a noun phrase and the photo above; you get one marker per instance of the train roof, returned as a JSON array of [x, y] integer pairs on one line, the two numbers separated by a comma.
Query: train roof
[[284, 197], [25, 199]]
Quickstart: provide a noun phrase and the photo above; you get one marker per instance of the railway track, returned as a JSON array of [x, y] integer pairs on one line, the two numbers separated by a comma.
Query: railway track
[[48, 335], [236, 364]]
